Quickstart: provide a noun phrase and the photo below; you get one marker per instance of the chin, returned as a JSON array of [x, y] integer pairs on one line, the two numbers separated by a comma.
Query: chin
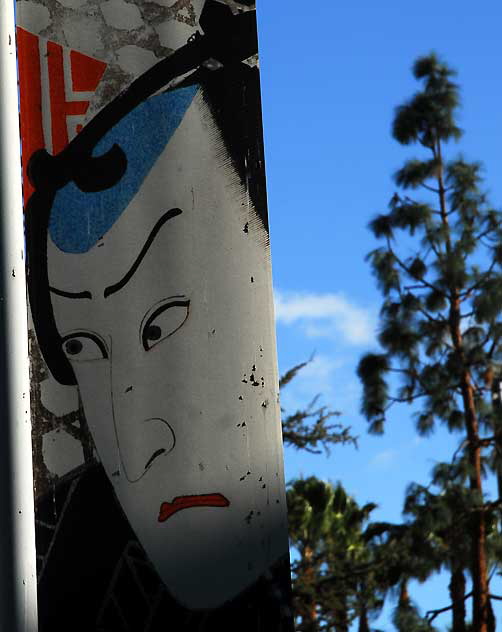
[[205, 557], [207, 587]]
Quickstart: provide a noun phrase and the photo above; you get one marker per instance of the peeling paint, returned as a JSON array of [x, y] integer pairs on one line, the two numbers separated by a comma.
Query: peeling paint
[[45, 421], [128, 37]]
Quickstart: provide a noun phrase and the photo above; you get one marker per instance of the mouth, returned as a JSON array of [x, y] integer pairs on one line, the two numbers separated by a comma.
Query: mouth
[[186, 502]]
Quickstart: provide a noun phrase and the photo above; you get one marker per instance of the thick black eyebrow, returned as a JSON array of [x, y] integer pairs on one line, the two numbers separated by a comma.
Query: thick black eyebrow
[[85, 294], [111, 289]]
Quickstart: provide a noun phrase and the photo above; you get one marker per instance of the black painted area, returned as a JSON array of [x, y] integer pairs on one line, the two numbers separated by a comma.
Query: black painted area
[[174, 212], [234, 98], [96, 577]]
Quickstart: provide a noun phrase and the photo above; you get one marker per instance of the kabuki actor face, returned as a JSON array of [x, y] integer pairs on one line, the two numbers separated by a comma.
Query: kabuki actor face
[[141, 244]]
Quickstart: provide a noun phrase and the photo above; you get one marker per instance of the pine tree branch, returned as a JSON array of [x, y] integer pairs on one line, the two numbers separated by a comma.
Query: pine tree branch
[[485, 442], [430, 615], [486, 245], [494, 345], [406, 268], [481, 345], [407, 400], [461, 447], [465, 293], [429, 188], [360, 570], [437, 321], [291, 374], [482, 234], [474, 383], [425, 313], [307, 429], [413, 287], [430, 240]]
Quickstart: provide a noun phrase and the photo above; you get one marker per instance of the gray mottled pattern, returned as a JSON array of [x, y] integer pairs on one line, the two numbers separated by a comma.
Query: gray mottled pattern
[[129, 36]]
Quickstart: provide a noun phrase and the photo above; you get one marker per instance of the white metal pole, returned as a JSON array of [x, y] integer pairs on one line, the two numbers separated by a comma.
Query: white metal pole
[[18, 594]]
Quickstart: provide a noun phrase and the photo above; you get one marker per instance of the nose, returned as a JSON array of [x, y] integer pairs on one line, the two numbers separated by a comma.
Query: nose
[[143, 437], [143, 446]]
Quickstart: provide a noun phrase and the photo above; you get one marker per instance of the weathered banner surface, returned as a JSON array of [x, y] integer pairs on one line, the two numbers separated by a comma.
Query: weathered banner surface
[[156, 425]]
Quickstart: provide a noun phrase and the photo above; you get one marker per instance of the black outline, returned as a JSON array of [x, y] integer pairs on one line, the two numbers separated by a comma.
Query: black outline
[[150, 461], [91, 336], [85, 294], [156, 313], [111, 289], [162, 301], [157, 453]]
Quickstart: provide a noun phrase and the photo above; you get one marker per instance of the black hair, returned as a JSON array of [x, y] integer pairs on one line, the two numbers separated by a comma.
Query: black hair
[[232, 92]]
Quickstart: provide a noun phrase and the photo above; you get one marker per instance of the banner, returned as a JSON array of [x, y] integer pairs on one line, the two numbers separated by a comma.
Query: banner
[[157, 453]]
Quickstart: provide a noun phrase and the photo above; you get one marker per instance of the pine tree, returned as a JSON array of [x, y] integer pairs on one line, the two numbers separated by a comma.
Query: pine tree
[[440, 272]]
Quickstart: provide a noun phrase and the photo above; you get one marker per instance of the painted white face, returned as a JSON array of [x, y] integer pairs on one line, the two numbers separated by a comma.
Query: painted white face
[[175, 363]]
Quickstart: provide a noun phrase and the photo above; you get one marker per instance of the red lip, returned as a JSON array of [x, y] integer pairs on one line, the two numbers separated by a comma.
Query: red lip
[[185, 502]]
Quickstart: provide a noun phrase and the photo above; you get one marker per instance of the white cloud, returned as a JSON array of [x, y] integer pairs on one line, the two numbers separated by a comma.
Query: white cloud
[[384, 459], [319, 376], [321, 368], [330, 378], [326, 316]]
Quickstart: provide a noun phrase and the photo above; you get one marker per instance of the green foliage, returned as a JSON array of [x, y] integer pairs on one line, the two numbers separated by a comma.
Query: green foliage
[[406, 618], [372, 370], [333, 579], [309, 428], [439, 268], [442, 292], [310, 507], [415, 172], [429, 115], [444, 514], [438, 265], [384, 268]]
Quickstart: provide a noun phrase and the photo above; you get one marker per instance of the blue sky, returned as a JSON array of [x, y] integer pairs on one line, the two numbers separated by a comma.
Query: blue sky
[[332, 74]]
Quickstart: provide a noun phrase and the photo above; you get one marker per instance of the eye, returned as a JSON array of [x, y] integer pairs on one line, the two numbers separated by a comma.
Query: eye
[[164, 322], [83, 346]]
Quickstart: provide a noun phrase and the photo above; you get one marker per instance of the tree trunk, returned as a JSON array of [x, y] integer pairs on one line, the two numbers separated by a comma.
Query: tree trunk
[[480, 610], [404, 595], [310, 581], [364, 625], [492, 623], [457, 595], [342, 615], [478, 534]]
